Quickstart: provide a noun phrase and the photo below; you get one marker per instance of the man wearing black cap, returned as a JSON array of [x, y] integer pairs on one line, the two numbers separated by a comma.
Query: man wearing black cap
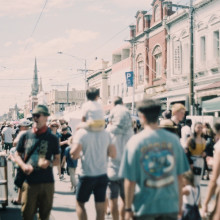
[[42, 149]]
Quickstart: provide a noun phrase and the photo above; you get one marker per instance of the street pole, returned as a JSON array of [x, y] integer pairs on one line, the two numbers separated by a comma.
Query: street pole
[[191, 76], [67, 95], [85, 71], [133, 67]]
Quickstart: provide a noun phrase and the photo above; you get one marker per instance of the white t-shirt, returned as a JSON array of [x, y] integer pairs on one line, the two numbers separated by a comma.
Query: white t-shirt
[[8, 133], [92, 110], [190, 200], [94, 156], [185, 134]]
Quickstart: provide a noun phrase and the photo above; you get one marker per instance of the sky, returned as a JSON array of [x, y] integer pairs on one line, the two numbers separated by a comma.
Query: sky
[[83, 28]]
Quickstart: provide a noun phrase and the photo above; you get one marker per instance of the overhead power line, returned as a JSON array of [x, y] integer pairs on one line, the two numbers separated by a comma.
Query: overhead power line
[[37, 22]]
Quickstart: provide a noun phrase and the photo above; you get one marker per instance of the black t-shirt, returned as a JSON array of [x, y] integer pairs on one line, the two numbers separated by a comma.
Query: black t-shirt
[[65, 137], [48, 146]]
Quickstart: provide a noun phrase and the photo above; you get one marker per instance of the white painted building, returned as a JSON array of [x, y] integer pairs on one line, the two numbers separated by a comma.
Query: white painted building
[[206, 53]]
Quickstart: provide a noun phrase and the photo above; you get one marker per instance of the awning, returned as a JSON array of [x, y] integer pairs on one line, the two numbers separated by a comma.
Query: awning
[[212, 105]]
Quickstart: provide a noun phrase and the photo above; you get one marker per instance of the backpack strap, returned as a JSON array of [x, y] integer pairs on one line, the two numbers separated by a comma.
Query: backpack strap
[[193, 194]]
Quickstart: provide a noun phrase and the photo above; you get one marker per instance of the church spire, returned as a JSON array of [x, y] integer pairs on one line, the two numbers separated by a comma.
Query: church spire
[[35, 85]]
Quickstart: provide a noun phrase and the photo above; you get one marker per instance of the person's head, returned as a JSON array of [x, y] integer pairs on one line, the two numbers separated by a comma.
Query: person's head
[[188, 122], [40, 115], [179, 111], [64, 129], [167, 114], [117, 101], [217, 129], [92, 94], [54, 126], [207, 125], [168, 125], [198, 129], [24, 124], [188, 178], [149, 111]]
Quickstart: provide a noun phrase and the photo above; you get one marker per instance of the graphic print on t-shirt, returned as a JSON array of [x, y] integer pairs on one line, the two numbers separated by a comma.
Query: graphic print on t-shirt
[[157, 162], [41, 150]]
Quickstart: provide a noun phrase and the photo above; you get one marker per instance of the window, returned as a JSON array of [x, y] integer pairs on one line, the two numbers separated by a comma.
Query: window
[[157, 59], [122, 89], [177, 57], [157, 14], [185, 58], [216, 44], [141, 72], [117, 90], [140, 25], [203, 49]]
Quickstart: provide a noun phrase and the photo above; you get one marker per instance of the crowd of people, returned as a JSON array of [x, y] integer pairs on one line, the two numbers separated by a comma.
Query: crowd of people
[[152, 172]]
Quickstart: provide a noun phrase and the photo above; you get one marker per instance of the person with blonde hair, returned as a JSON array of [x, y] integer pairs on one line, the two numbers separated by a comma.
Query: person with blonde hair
[[178, 114]]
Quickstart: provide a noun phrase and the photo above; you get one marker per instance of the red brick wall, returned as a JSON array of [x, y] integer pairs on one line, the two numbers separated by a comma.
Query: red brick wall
[[158, 39]]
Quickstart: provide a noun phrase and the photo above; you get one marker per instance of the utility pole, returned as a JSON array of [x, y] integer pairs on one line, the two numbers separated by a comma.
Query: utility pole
[[67, 95], [85, 70], [191, 76], [133, 68]]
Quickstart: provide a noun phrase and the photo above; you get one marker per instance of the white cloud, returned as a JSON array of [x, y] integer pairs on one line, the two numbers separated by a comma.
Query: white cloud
[[15, 8], [71, 38], [98, 8], [141, 4], [8, 44]]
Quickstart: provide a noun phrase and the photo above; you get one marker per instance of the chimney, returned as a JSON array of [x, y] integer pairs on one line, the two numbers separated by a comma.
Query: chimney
[[167, 8], [132, 31]]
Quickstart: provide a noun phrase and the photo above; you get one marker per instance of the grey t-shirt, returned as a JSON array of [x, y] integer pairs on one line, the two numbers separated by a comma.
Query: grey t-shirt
[[120, 127], [94, 156]]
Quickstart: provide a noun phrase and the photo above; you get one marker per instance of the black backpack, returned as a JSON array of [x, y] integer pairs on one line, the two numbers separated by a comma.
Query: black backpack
[[191, 212]]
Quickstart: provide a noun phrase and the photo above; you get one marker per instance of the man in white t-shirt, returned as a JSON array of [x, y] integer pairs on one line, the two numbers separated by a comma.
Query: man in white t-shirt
[[186, 132], [7, 137], [95, 146], [92, 112]]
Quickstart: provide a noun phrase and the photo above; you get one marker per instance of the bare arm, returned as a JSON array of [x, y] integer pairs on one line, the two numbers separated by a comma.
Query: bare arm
[[212, 183], [63, 142], [129, 188], [112, 151], [75, 151], [56, 160]]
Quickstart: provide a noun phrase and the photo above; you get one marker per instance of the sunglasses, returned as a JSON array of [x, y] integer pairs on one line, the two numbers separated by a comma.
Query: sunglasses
[[36, 115], [54, 126]]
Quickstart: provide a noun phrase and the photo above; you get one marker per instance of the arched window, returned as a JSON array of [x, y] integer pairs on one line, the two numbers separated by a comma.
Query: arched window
[[157, 59], [140, 25], [157, 13], [140, 70]]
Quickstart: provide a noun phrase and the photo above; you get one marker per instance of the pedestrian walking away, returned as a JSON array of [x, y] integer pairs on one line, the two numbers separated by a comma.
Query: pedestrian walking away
[[152, 168], [92, 146], [42, 148], [120, 128]]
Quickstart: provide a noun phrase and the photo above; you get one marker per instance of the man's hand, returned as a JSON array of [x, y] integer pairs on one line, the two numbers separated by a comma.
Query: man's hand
[[27, 169], [129, 215], [43, 163]]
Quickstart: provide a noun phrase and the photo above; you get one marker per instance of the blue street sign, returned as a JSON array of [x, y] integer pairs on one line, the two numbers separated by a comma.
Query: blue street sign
[[129, 78]]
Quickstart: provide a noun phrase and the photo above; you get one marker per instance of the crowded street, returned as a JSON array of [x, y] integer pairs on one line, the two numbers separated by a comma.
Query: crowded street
[[110, 110]]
